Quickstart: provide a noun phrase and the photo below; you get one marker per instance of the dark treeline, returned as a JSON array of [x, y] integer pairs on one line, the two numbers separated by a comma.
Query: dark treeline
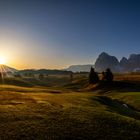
[[44, 71], [106, 76]]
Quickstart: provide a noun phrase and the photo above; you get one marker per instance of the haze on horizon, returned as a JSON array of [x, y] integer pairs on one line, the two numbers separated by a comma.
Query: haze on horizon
[[55, 34]]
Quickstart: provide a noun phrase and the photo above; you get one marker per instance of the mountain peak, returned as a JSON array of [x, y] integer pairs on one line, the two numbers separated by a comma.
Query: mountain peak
[[123, 60], [105, 61], [7, 69], [125, 65], [80, 68], [103, 54]]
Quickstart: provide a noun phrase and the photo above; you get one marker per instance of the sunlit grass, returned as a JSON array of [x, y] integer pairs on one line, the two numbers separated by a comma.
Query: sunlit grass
[[62, 109], [40, 113]]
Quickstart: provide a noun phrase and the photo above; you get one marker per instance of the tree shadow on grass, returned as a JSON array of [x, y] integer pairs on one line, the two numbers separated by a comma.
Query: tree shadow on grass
[[118, 107], [120, 86]]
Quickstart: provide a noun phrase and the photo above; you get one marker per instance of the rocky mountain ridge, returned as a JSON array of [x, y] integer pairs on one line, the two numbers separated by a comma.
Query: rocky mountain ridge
[[104, 60]]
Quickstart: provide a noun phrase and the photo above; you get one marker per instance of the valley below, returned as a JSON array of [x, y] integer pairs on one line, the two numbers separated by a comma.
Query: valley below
[[66, 109]]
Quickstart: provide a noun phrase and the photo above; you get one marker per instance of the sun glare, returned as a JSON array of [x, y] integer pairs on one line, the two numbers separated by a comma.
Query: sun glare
[[2, 61]]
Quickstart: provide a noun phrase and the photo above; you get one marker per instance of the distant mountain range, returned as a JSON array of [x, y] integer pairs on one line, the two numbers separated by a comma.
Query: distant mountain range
[[29, 72], [104, 60], [80, 68]]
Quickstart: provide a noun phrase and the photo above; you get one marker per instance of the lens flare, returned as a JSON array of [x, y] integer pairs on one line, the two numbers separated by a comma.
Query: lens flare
[[2, 61]]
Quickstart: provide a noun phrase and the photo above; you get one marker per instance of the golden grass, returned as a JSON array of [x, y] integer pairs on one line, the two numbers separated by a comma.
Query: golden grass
[[53, 113]]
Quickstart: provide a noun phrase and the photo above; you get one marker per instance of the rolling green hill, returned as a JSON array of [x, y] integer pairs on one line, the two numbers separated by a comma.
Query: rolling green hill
[[64, 109]]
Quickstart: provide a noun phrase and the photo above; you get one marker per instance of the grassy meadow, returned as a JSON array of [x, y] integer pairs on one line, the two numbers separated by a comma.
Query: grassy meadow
[[58, 108]]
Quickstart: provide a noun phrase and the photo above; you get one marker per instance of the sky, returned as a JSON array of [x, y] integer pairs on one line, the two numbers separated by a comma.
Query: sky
[[54, 34]]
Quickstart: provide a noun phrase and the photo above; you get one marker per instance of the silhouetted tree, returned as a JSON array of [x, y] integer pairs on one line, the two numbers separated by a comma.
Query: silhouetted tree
[[93, 77], [29, 75], [103, 76], [108, 75], [0, 76], [17, 75], [71, 76], [41, 76]]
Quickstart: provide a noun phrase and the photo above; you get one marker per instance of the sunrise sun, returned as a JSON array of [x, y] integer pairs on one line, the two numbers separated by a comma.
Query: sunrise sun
[[2, 61]]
